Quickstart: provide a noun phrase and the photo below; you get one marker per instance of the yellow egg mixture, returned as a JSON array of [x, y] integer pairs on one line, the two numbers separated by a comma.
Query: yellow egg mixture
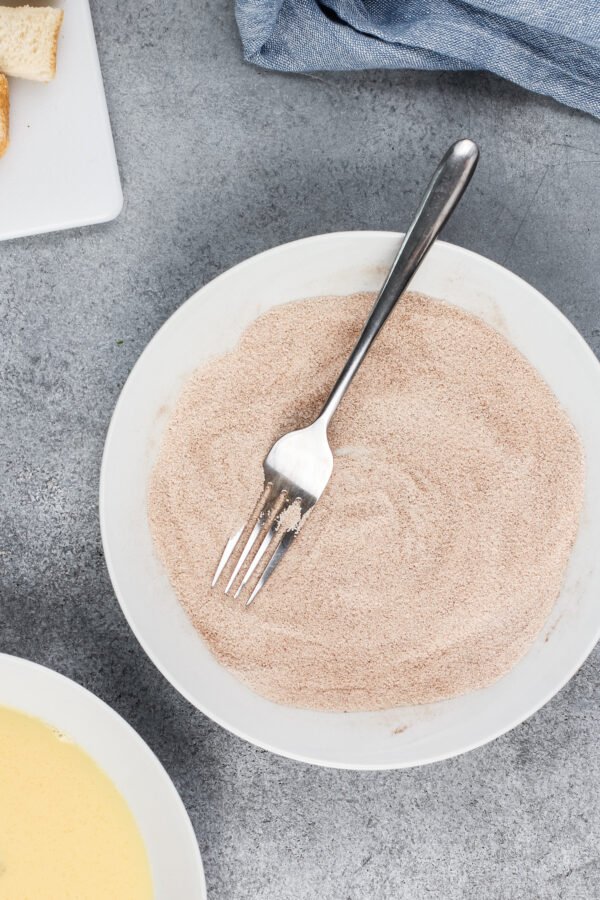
[[66, 833]]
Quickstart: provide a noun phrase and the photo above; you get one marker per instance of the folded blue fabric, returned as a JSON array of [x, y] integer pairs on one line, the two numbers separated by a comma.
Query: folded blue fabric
[[548, 46]]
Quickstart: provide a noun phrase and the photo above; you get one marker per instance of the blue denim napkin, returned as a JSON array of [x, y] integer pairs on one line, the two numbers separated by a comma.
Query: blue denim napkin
[[548, 46]]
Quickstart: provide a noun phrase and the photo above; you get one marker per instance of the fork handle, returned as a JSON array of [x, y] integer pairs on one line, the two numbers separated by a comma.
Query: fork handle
[[445, 189]]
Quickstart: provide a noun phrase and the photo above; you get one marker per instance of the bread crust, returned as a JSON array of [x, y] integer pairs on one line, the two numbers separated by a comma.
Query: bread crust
[[54, 51], [4, 113]]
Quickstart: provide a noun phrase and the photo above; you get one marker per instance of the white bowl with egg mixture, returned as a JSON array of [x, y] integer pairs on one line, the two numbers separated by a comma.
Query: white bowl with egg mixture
[[209, 324], [160, 816]]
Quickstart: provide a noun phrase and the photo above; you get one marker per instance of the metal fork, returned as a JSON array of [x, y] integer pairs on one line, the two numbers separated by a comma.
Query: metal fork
[[299, 465]]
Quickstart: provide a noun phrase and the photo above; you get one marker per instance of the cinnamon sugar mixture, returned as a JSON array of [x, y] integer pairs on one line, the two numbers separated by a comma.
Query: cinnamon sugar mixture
[[438, 549]]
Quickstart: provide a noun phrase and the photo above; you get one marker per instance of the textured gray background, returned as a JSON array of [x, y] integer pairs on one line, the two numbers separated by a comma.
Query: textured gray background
[[219, 161]]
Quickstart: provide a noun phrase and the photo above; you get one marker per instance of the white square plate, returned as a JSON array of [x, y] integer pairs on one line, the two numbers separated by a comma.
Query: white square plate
[[60, 169]]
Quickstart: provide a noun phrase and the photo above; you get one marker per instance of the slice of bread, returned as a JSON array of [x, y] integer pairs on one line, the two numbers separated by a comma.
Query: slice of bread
[[28, 39], [4, 109]]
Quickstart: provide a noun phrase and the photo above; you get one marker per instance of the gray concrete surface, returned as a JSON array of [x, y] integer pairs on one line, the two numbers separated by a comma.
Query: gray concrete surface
[[219, 161]]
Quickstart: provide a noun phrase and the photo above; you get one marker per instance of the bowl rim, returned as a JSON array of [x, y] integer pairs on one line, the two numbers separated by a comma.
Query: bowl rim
[[206, 708], [51, 676]]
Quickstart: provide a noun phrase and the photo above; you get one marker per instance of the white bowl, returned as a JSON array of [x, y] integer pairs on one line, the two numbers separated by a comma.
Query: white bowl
[[160, 815], [210, 323]]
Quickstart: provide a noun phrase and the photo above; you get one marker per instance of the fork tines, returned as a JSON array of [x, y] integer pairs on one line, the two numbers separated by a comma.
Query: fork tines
[[265, 528]]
